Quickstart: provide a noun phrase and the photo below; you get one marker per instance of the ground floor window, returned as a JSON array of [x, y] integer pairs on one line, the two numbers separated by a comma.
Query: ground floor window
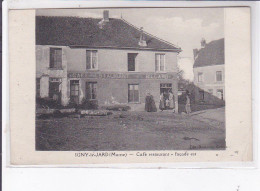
[[133, 93], [74, 91], [91, 90], [220, 94], [55, 88], [38, 86], [201, 95]]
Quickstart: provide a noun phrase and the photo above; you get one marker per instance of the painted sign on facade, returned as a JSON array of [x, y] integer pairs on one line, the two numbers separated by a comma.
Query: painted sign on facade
[[120, 75]]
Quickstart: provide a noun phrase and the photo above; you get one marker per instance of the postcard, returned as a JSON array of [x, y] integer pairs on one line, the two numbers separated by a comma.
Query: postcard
[[130, 85]]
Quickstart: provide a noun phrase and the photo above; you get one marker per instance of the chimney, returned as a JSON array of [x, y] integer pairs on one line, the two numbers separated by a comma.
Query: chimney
[[142, 41], [203, 43], [105, 15]]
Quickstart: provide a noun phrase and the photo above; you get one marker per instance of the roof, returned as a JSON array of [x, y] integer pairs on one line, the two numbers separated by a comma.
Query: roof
[[212, 54], [78, 32]]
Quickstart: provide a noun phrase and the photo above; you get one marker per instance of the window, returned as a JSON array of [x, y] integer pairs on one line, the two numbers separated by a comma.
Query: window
[[159, 62], [220, 94], [131, 61], [165, 88], [74, 91], [133, 93], [219, 76], [210, 91], [201, 95], [200, 77], [91, 58], [91, 90], [56, 58], [38, 86]]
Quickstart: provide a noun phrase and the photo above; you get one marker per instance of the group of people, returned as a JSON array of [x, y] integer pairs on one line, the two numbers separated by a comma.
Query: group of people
[[167, 101]]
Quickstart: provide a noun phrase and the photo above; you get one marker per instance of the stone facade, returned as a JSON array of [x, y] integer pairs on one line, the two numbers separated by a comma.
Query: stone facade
[[210, 89], [111, 76]]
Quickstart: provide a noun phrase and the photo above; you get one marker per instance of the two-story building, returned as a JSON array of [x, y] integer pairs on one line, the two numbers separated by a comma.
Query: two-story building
[[209, 72], [105, 60]]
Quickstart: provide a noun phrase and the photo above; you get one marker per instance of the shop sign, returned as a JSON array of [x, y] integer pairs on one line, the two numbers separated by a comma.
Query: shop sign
[[120, 75]]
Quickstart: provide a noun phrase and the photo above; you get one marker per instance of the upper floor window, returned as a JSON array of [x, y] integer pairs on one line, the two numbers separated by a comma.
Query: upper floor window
[[219, 76], [56, 58], [159, 62], [200, 77], [132, 61], [91, 59]]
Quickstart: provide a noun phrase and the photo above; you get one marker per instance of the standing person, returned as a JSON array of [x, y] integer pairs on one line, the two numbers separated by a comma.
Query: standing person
[[187, 107], [171, 99], [148, 102], [153, 106], [162, 104]]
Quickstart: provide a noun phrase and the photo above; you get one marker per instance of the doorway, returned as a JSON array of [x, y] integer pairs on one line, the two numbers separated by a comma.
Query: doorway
[[74, 91], [55, 89], [166, 90]]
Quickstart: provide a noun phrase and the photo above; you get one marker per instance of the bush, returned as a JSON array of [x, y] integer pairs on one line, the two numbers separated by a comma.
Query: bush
[[47, 103], [118, 107], [88, 104]]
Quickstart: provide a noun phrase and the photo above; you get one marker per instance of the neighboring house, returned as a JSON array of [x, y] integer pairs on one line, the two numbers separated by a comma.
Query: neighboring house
[[209, 72], [105, 60]]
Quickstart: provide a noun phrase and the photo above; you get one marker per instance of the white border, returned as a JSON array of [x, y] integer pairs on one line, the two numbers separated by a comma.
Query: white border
[[59, 4]]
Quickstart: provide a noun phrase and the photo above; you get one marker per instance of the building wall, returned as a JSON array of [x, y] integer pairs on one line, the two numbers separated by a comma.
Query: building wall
[[109, 91], [44, 72], [117, 60], [115, 91], [209, 82]]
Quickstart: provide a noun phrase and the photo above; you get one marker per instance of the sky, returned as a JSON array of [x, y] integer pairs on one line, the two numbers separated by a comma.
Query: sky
[[184, 27]]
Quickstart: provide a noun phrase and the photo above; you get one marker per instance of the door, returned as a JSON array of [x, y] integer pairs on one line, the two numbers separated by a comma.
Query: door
[[54, 89], [165, 89], [74, 91]]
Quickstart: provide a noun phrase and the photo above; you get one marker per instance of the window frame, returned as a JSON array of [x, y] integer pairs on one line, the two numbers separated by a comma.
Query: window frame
[[133, 90], [91, 93], [136, 54], [200, 73], [221, 76], [53, 66], [164, 61], [91, 59]]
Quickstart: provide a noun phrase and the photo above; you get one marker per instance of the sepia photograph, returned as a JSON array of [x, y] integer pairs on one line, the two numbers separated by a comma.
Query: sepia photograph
[[129, 79]]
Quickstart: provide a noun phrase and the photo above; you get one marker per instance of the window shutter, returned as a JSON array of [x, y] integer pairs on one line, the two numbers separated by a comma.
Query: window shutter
[[88, 59], [88, 91], [161, 62], [157, 60]]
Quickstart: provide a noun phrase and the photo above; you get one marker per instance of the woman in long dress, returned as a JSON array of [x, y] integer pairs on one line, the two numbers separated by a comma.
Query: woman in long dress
[[187, 106], [162, 104], [172, 101]]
